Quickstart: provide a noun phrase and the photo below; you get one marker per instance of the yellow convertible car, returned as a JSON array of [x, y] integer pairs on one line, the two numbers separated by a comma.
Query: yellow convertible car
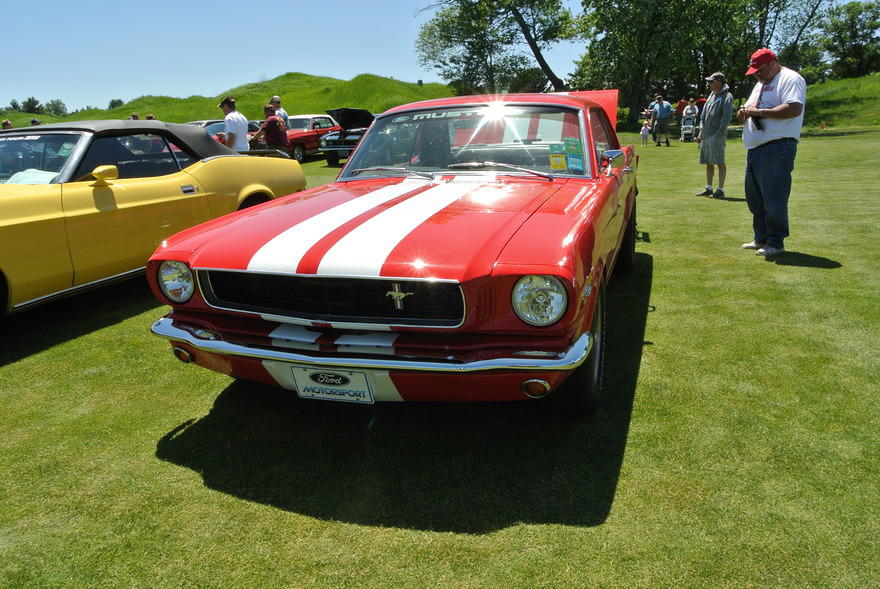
[[86, 203]]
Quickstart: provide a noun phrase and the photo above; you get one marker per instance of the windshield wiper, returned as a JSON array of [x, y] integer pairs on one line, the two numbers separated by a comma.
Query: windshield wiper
[[427, 175], [475, 165]]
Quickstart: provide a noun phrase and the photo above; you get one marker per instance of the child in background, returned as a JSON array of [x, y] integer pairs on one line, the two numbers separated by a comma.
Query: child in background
[[646, 130]]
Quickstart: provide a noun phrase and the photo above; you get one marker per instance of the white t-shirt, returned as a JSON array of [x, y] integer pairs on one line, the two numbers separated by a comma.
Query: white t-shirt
[[788, 86], [236, 123]]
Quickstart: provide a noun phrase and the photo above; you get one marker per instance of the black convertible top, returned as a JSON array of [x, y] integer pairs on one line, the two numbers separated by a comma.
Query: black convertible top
[[195, 138]]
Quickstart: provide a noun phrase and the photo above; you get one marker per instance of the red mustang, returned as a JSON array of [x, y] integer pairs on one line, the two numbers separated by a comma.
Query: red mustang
[[461, 255]]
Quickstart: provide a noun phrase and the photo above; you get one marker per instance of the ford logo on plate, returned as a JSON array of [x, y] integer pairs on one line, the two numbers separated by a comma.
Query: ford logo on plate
[[329, 378]]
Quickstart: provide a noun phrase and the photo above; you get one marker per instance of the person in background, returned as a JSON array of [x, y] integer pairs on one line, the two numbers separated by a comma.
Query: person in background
[[701, 102], [273, 131], [660, 116], [679, 110], [275, 101], [236, 125], [35, 122], [150, 117], [772, 118], [644, 132], [713, 133], [7, 124], [135, 116]]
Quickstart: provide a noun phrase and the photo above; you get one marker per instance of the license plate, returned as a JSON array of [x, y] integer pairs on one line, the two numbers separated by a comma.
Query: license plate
[[330, 384]]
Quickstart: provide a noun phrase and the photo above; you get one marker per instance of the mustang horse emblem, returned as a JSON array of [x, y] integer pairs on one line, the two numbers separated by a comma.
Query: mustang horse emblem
[[398, 295]]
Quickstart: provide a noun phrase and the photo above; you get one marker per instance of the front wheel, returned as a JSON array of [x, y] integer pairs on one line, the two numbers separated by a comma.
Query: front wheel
[[333, 159], [298, 152], [582, 390]]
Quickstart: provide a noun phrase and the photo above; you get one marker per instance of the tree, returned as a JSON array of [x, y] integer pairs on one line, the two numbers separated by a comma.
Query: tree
[[850, 34], [32, 105], [644, 46], [14, 105], [541, 23], [461, 44], [55, 108], [115, 103], [480, 43]]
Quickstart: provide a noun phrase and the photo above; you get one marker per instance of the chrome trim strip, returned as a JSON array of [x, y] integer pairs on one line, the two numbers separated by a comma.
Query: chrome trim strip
[[571, 359], [352, 276], [78, 289], [295, 320]]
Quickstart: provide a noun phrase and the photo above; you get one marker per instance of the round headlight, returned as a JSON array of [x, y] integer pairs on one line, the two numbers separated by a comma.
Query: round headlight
[[539, 300], [176, 281]]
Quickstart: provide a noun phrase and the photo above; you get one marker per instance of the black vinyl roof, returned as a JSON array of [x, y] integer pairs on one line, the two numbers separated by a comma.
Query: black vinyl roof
[[191, 136]]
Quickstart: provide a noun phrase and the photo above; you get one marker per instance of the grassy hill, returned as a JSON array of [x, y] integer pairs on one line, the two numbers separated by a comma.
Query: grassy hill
[[838, 103], [300, 94], [844, 103]]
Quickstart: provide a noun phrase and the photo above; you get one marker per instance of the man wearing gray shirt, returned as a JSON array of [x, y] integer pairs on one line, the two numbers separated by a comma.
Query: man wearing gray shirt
[[713, 133]]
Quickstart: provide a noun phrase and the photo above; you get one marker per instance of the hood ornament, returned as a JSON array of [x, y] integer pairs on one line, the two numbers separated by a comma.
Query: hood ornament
[[397, 295]]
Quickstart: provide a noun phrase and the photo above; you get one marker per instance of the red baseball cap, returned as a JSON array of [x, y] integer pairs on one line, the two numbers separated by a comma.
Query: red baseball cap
[[759, 58]]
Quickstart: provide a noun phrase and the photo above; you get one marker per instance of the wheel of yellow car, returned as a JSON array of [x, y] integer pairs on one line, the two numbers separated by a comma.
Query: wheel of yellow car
[[298, 152], [252, 200], [582, 390]]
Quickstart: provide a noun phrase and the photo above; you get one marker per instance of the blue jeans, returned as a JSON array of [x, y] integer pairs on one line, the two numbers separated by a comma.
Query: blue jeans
[[767, 188]]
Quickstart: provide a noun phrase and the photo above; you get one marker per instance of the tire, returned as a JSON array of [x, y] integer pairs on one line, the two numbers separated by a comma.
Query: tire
[[298, 153], [626, 257], [582, 390], [333, 159], [252, 200]]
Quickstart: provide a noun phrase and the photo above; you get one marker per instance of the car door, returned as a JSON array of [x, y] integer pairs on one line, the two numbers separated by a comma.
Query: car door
[[617, 185], [114, 226], [321, 126]]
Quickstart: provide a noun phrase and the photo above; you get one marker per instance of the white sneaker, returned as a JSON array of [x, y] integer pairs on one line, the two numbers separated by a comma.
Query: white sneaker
[[752, 245], [769, 251]]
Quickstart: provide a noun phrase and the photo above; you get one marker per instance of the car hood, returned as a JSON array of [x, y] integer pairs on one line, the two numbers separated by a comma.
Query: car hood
[[351, 118], [454, 228]]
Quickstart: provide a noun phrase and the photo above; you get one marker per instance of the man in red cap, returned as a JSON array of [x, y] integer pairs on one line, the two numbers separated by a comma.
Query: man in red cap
[[772, 119]]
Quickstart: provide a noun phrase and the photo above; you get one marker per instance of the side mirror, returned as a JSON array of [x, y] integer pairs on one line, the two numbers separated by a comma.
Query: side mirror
[[104, 173], [609, 160]]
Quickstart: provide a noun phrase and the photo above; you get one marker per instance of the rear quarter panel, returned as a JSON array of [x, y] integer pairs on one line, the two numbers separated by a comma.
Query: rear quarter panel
[[228, 181]]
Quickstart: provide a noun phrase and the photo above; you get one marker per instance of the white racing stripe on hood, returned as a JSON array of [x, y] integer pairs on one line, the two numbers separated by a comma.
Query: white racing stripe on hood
[[364, 251], [284, 252]]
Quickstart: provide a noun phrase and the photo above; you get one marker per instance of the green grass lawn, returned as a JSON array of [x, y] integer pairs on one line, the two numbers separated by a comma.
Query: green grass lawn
[[738, 446]]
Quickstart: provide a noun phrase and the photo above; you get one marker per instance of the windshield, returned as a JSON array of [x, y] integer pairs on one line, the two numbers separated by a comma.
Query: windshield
[[544, 139], [34, 159]]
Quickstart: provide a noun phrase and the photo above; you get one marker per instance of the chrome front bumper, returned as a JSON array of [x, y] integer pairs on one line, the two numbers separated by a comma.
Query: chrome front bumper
[[573, 357]]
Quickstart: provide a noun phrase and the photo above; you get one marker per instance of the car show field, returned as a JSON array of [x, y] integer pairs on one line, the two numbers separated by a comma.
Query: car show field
[[736, 446]]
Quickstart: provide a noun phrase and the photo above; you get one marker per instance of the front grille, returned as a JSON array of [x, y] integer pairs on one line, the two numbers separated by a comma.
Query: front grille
[[335, 300]]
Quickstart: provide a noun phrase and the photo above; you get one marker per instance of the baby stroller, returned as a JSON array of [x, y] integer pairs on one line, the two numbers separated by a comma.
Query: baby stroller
[[688, 127]]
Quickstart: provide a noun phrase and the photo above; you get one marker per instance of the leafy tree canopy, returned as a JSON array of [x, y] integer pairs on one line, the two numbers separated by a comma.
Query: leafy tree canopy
[[849, 34], [32, 105], [480, 44]]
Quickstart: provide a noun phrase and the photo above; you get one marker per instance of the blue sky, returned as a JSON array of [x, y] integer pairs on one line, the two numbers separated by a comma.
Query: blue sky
[[90, 51]]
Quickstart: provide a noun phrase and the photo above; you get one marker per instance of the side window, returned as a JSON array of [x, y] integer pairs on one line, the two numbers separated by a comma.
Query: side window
[[602, 137], [142, 155]]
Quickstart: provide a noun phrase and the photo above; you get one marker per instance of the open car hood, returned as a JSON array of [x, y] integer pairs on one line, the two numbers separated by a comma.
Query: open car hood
[[351, 118]]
